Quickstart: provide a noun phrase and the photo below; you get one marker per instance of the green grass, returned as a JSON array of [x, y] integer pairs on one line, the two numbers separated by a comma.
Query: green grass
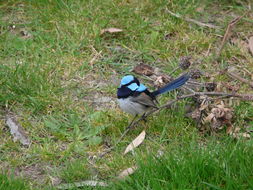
[[9, 183], [226, 165], [48, 80]]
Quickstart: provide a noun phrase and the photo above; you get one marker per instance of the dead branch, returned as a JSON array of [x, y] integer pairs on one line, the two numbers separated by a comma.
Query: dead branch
[[235, 76], [193, 21], [228, 33]]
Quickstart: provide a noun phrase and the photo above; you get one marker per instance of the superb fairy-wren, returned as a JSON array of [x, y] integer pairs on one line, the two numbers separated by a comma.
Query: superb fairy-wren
[[136, 99]]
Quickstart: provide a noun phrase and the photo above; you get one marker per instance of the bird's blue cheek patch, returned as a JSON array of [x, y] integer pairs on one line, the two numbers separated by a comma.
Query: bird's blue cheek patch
[[126, 79], [133, 86], [141, 88]]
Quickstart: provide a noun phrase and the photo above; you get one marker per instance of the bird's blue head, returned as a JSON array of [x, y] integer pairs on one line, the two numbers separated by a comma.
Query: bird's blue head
[[126, 80], [132, 83]]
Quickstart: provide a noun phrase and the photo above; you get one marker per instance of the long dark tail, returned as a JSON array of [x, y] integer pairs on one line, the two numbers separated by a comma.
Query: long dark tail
[[180, 81]]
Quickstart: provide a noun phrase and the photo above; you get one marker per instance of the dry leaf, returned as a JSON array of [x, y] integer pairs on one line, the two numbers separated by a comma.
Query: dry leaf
[[209, 118], [143, 69], [229, 129], [111, 30], [136, 142], [81, 184], [17, 131], [218, 112], [205, 103], [127, 172], [216, 115], [239, 135], [251, 44]]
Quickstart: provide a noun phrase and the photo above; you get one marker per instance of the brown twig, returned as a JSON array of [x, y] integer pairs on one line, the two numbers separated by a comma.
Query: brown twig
[[246, 97], [228, 33], [193, 21], [235, 76]]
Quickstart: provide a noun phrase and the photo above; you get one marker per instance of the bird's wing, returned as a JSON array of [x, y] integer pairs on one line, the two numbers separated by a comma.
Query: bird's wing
[[144, 99]]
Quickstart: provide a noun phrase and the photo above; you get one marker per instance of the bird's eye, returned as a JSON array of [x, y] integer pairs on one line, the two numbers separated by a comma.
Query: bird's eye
[[136, 81]]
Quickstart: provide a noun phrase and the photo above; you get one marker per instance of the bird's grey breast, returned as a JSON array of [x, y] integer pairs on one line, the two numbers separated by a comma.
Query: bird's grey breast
[[132, 107]]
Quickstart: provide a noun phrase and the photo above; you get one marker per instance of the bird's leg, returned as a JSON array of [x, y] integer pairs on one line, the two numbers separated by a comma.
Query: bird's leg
[[146, 114], [130, 125], [143, 117]]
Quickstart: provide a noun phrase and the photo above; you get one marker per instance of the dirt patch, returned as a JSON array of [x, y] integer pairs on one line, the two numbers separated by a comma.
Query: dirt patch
[[33, 172], [99, 101], [95, 90], [37, 173]]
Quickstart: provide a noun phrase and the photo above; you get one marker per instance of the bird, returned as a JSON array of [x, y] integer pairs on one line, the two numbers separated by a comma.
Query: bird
[[135, 98]]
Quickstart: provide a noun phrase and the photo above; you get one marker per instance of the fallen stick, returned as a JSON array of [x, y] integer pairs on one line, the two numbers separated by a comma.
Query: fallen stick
[[235, 76], [246, 97], [228, 33], [193, 21]]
